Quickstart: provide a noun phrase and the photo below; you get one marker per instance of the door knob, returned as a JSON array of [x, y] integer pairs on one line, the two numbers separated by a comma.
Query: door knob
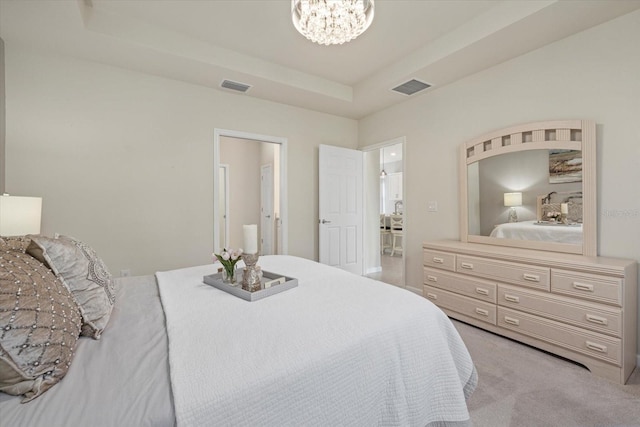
[[324, 221]]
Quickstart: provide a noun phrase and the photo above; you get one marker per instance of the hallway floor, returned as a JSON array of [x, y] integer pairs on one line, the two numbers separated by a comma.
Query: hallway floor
[[391, 270]]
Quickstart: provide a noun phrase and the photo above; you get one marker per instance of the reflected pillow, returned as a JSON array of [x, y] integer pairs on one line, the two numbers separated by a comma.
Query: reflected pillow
[[39, 326], [574, 210], [84, 273]]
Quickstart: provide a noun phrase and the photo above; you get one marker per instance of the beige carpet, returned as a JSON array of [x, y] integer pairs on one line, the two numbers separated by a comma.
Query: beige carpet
[[520, 386]]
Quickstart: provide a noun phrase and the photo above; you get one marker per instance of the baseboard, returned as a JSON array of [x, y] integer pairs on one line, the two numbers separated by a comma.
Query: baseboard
[[373, 270], [414, 290]]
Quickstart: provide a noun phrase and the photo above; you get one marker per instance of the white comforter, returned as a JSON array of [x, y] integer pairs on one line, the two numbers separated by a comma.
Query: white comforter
[[530, 230], [339, 349]]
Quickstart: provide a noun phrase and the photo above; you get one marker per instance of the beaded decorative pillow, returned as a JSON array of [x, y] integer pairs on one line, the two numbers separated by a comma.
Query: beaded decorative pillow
[[39, 326], [84, 273], [14, 243]]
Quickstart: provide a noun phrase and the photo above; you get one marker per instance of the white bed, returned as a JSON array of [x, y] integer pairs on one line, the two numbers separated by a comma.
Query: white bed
[[534, 230], [339, 349]]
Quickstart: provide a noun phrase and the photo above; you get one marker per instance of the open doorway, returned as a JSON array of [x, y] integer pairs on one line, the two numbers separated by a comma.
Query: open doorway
[[385, 219]]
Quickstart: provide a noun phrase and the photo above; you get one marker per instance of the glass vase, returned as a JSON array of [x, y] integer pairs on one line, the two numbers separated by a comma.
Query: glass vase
[[229, 275]]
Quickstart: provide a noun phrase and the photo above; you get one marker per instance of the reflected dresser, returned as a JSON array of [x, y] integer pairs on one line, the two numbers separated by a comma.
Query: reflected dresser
[[578, 307]]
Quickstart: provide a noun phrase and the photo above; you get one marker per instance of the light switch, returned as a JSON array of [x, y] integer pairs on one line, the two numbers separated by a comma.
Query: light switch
[[432, 206]]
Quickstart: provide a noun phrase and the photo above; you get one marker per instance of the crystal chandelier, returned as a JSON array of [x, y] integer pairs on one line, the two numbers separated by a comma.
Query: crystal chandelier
[[330, 22]]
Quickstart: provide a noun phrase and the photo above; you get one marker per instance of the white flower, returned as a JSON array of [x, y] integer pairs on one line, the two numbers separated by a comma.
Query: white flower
[[226, 256], [235, 254]]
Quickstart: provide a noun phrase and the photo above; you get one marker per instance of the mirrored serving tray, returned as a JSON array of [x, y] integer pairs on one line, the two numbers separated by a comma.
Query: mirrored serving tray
[[215, 280]]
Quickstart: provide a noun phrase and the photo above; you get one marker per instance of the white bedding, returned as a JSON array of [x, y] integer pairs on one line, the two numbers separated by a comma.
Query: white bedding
[[339, 349], [122, 379], [529, 230]]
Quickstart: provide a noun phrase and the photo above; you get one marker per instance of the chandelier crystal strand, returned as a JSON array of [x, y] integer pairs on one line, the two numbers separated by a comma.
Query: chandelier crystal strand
[[330, 22]]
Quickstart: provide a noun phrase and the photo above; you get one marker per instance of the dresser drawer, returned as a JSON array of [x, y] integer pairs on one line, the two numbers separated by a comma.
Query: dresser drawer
[[460, 304], [465, 285], [593, 344], [443, 260], [504, 271], [588, 286], [596, 317]]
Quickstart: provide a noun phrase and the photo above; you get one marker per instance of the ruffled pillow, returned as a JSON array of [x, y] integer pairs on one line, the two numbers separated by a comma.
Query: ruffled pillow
[[84, 273]]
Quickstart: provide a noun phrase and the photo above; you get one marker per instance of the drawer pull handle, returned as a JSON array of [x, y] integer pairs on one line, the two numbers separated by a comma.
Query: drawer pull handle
[[531, 277], [432, 296], [512, 298], [583, 286], [597, 319], [482, 291], [438, 260], [432, 278], [467, 265], [482, 312], [511, 320], [596, 347]]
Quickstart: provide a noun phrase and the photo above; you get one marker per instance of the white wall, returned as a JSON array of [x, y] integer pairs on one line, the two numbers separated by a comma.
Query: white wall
[[371, 232], [123, 160], [592, 75]]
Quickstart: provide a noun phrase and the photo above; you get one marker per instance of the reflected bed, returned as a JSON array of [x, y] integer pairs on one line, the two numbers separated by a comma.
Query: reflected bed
[[540, 231]]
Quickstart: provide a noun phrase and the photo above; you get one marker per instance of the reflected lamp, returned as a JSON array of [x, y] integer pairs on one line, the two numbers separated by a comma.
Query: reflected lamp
[[512, 200]]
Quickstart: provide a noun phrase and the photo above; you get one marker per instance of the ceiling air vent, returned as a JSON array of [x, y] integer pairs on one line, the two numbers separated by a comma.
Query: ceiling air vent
[[238, 87], [411, 87]]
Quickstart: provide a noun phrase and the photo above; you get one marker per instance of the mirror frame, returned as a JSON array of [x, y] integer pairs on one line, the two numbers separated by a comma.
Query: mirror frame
[[561, 134]]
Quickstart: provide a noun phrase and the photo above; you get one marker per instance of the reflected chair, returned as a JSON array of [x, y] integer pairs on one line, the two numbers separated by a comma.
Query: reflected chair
[[385, 235], [396, 232]]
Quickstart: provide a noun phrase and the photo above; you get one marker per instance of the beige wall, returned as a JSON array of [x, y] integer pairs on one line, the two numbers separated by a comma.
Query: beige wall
[[592, 75], [2, 118], [123, 160]]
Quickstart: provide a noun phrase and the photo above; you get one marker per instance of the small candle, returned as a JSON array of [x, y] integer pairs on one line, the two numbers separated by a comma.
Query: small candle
[[250, 238], [564, 208]]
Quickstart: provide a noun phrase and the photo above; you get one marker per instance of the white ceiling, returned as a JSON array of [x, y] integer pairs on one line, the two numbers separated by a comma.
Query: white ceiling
[[254, 42]]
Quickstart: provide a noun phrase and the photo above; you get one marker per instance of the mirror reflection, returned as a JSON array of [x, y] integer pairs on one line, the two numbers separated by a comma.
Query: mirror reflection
[[527, 195], [249, 192]]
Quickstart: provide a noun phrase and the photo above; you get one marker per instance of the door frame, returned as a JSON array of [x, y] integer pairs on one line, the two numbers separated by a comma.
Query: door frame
[[406, 223], [284, 217], [225, 167], [263, 199]]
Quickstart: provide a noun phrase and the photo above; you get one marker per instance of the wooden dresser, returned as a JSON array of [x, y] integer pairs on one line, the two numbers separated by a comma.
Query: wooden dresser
[[578, 307]]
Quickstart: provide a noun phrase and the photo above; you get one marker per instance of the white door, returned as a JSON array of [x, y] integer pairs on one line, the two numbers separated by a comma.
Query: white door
[[266, 209], [340, 208]]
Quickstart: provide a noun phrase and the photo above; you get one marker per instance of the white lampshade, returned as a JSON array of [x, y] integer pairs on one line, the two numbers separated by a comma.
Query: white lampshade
[[20, 215], [513, 199]]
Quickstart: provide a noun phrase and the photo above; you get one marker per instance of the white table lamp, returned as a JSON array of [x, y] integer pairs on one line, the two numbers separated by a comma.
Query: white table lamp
[[512, 200], [20, 215]]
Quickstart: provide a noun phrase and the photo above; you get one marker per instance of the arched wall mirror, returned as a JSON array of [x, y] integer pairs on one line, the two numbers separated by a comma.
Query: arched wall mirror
[[531, 186]]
